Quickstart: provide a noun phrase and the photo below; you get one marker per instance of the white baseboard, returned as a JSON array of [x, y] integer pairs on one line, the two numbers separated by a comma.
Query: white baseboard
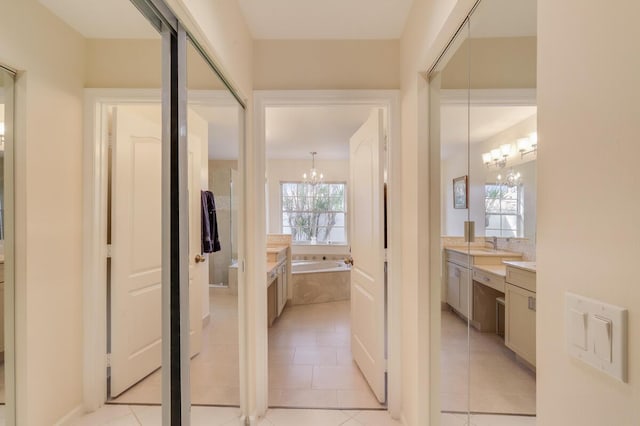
[[72, 415]]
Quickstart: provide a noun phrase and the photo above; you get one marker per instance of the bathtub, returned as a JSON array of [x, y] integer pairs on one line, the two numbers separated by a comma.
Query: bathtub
[[318, 281], [310, 266]]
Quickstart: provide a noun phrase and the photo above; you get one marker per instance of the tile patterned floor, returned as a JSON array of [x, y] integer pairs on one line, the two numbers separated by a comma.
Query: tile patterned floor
[[123, 415], [310, 362], [216, 363], [498, 383]]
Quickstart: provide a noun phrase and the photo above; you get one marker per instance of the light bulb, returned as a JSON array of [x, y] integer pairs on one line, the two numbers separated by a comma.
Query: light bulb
[[321, 176], [304, 176], [495, 154], [1, 129], [486, 158], [505, 149], [523, 144], [533, 138]]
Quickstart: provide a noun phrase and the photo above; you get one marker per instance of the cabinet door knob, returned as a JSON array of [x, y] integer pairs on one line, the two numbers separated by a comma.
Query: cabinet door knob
[[199, 258], [532, 303]]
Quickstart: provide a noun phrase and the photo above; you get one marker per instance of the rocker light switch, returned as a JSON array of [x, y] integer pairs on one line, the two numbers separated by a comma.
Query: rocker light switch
[[579, 329], [602, 337], [605, 327]]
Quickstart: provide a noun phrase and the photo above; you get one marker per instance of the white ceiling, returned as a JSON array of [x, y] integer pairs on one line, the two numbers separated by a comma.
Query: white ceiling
[[486, 121], [326, 19], [110, 19], [293, 132]]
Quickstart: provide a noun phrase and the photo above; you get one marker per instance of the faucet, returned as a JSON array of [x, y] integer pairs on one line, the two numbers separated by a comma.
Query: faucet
[[493, 242]]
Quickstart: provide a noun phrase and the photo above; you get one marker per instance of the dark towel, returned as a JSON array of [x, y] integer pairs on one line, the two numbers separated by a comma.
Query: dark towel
[[210, 242]]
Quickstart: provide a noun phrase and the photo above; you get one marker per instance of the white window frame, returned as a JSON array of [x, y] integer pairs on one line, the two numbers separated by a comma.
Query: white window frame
[[345, 211]]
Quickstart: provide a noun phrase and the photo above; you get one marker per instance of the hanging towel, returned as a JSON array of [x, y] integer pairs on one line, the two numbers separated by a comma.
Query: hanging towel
[[210, 242]]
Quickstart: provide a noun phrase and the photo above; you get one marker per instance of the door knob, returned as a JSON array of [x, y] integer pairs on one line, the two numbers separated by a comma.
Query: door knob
[[200, 258]]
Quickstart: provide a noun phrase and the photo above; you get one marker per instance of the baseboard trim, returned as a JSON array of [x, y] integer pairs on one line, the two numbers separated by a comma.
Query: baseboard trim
[[72, 415], [206, 320]]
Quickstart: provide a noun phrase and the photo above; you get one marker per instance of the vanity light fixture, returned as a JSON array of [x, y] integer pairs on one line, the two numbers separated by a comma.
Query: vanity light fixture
[[497, 157], [528, 145], [313, 177]]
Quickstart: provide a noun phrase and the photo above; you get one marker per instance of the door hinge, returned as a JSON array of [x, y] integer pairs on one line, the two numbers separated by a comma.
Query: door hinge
[[109, 250], [107, 360]]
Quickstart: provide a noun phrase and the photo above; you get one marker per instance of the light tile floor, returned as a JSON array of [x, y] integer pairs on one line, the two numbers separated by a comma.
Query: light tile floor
[[310, 362], [215, 377], [499, 384], [123, 415]]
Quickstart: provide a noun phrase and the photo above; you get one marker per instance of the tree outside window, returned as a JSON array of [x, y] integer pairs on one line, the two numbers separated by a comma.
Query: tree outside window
[[314, 213]]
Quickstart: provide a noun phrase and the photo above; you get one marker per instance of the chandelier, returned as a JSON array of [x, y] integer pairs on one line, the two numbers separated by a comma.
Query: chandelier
[[511, 179], [313, 176]]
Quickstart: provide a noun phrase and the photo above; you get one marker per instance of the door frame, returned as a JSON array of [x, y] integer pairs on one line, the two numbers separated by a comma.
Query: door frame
[[390, 101], [95, 178]]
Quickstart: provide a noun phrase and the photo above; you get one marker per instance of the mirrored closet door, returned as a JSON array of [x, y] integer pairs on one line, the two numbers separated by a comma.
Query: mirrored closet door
[[483, 119]]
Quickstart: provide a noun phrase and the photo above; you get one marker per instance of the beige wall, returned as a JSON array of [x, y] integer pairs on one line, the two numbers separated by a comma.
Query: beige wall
[[430, 25], [588, 124], [505, 63], [137, 64], [326, 64], [48, 208]]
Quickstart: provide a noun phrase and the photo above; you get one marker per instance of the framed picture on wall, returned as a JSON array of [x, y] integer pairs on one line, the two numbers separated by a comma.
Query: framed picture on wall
[[460, 192]]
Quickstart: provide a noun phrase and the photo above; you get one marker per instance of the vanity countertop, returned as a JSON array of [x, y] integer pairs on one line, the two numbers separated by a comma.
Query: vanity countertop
[[526, 266], [271, 266], [482, 251], [499, 270], [276, 249]]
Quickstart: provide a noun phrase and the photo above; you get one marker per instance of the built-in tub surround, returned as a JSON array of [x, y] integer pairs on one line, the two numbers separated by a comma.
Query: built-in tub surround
[[320, 281]]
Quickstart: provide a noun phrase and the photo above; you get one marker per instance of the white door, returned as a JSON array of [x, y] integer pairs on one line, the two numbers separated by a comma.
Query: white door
[[136, 246], [198, 271], [367, 249]]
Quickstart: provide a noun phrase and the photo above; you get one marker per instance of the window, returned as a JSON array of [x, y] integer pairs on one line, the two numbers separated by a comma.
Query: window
[[314, 214], [503, 210]]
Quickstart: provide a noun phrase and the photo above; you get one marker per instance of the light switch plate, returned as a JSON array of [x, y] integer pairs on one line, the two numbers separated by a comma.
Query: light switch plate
[[606, 334]]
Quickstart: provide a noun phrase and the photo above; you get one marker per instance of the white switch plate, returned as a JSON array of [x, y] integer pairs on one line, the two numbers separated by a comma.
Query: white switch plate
[[606, 334]]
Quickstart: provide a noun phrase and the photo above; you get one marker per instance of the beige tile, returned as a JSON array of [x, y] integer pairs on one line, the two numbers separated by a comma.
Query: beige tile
[[292, 338], [376, 418], [334, 339], [281, 355], [293, 417], [358, 399], [486, 368], [315, 356], [148, 415], [290, 377], [222, 395], [104, 415], [345, 357], [311, 398], [338, 377], [214, 416]]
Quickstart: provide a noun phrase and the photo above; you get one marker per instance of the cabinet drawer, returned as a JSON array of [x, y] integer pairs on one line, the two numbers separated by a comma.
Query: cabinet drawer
[[496, 282], [524, 279], [458, 258]]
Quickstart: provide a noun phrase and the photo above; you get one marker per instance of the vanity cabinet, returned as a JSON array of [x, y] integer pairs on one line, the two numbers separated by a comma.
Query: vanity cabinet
[[520, 313], [278, 278], [459, 276], [459, 289]]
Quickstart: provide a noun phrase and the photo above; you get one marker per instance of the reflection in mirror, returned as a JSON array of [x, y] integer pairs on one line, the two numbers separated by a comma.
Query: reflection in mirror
[[214, 119], [483, 117]]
